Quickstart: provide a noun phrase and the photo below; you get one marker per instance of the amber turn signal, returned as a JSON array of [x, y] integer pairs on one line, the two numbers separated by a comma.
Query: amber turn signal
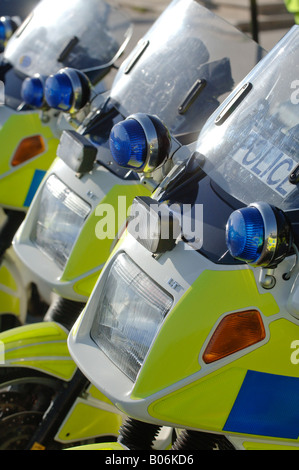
[[28, 148], [235, 332]]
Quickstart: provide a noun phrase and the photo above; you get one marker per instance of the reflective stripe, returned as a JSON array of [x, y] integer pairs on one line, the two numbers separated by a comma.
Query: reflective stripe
[[266, 405], [36, 180]]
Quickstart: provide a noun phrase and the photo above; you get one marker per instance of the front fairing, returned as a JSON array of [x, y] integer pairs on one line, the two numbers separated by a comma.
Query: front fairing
[[18, 184], [59, 254], [174, 370], [249, 394]]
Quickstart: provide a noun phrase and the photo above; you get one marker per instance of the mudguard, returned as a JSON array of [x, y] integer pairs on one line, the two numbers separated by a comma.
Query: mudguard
[[101, 446], [40, 346]]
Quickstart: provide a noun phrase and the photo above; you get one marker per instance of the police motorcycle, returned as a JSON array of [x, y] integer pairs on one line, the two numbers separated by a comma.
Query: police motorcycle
[[61, 239], [55, 35], [199, 330]]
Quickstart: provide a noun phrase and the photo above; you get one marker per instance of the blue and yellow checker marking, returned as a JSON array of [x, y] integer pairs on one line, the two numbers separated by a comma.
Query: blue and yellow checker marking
[[267, 405], [36, 181]]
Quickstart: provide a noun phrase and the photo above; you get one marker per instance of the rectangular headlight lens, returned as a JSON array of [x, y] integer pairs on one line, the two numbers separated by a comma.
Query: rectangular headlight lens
[[60, 217], [130, 312]]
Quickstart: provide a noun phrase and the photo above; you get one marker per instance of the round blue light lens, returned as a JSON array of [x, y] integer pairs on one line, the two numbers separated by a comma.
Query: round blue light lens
[[128, 144], [59, 92], [2, 31], [245, 234], [32, 92]]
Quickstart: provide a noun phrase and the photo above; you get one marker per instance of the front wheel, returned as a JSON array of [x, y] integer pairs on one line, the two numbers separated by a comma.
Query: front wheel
[[25, 396], [8, 321]]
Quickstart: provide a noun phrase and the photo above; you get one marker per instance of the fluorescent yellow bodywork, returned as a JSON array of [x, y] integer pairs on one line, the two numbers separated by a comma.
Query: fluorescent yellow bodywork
[[175, 353], [90, 252], [41, 346], [100, 446], [207, 401], [87, 421], [265, 446], [15, 181], [10, 301]]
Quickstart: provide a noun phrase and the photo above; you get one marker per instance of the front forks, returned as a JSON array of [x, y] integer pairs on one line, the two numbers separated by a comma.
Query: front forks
[[59, 408]]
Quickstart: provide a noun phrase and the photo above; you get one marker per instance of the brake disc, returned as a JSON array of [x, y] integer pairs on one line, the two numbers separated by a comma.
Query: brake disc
[[16, 430], [11, 403]]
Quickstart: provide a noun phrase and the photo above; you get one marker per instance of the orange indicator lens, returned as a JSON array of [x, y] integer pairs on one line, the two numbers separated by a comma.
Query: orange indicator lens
[[28, 148], [235, 332]]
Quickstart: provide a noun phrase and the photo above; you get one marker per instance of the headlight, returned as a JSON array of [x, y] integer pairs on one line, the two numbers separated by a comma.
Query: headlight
[[60, 217], [130, 312]]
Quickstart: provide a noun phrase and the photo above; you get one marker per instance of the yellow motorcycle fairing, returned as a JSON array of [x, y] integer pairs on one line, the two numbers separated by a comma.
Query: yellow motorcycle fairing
[[90, 253], [252, 392], [101, 446]]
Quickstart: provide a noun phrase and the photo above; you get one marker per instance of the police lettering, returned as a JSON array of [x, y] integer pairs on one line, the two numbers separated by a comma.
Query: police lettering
[[268, 163]]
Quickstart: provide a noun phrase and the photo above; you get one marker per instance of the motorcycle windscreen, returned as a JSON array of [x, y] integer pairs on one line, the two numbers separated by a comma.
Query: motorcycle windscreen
[[246, 151], [251, 144], [184, 67], [66, 33]]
